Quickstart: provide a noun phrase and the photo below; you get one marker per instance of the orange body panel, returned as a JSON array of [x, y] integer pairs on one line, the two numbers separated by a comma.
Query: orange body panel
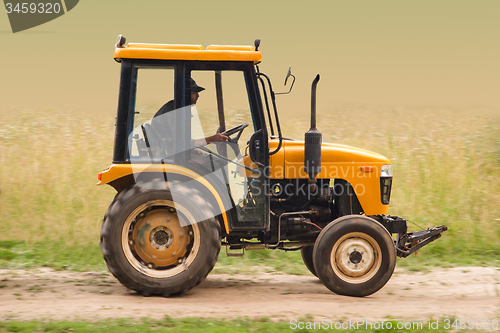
[[117, 171]]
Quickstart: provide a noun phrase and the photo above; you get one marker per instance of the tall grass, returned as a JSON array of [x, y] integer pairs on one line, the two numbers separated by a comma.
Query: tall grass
[[49, 160], [446, 170]]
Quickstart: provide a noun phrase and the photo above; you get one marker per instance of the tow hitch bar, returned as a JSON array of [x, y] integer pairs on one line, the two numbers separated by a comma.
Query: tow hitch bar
[[412, 241]]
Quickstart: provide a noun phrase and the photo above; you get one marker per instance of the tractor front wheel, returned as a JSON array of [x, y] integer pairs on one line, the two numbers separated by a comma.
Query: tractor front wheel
[[354, 256]]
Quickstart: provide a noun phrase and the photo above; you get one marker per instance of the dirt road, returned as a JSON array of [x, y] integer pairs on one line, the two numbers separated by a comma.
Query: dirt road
[[459, 292]]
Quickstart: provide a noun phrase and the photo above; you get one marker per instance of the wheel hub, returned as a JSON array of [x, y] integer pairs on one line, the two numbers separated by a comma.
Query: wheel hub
[[161, 238], [355, 257], [158, 239]]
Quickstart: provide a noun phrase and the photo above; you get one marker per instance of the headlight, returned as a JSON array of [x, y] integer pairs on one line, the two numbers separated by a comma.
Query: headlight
[[386, 170]]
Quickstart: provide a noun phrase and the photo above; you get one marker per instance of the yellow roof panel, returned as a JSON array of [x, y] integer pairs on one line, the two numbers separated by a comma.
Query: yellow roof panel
[[188, 52], [165, 46], [230, 47]]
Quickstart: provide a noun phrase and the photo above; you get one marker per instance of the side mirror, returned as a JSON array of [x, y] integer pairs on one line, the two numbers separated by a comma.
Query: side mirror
[[286, 79], [256, 149]]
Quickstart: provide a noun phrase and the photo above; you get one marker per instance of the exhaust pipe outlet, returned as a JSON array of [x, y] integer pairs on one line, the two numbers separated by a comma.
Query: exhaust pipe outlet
[[313, 139]]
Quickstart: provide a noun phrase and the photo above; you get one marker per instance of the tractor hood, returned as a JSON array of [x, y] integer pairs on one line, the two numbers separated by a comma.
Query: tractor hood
[[331, 152], [336, 160]]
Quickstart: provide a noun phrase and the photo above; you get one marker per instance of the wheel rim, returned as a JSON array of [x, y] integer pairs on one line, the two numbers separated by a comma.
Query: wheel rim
[[356, 257], [160, 239]]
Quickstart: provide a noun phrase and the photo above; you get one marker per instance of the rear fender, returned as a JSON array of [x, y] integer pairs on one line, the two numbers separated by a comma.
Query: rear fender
[[121, 177]]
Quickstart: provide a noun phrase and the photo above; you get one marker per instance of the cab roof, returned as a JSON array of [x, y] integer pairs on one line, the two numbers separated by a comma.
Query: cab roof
[[187, 52]]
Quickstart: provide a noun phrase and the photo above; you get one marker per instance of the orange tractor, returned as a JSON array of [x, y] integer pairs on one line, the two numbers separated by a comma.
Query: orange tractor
[[183, 194]]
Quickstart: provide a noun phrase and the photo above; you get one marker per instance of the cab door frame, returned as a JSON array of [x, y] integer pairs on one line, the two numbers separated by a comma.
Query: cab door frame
[[258, 119]]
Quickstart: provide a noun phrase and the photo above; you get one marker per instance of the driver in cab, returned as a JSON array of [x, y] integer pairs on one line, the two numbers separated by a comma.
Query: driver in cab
[[195, 94]]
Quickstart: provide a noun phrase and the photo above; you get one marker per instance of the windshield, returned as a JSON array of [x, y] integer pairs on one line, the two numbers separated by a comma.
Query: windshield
[[208, 135]]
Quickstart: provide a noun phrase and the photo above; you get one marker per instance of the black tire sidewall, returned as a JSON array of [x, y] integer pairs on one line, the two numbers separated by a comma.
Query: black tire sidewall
[[307, 257], [332, 233]]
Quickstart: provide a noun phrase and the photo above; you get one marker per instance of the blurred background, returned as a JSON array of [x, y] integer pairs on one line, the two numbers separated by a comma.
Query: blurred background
[[386, 52], [416, 81]]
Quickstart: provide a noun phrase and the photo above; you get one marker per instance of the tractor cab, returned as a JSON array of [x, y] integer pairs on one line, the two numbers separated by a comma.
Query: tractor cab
[[189, 108]]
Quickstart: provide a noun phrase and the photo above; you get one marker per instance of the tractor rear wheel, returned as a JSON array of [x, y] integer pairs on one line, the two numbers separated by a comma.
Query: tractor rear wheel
[[307, 257], [354, 256], [155, 246]]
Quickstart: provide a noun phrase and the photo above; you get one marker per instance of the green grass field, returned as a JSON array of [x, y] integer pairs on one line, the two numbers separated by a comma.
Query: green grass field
[[446, 167], [209, 325]]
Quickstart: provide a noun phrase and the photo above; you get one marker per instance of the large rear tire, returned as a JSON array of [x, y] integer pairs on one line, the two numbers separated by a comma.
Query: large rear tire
[[155, 246], [354, 256]]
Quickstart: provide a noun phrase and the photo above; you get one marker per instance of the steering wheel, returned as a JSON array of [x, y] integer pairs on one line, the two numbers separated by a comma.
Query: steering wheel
[[231, 142], [237, 129]]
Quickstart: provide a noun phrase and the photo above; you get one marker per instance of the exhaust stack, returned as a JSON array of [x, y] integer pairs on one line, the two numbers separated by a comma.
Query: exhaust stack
[[313, 138]]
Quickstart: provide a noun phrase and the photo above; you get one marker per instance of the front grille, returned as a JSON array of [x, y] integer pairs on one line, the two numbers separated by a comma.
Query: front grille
[[385, 189]]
